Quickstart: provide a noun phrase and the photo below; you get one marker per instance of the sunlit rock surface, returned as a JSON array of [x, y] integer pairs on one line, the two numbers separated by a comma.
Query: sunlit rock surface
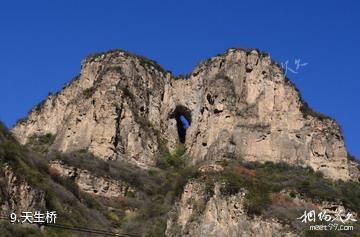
[[239, 103]]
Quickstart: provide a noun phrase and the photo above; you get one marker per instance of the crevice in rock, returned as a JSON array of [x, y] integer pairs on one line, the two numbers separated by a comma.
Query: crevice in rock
[[162, 96], [75, 174], [117, 127], [210, 99], [217, 111]]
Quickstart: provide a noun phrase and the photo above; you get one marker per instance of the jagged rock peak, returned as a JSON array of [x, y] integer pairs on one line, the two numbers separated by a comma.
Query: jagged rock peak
[[118, 55], [238, 105]]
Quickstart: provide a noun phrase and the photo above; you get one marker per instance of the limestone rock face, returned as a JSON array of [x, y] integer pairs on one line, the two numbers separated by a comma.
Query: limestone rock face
[[17, 194], [240, 106], [197, 214], [89, 183], [246, 108], [105, 110]]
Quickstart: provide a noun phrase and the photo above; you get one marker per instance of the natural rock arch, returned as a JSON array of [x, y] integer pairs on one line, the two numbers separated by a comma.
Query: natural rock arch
[[182, 115]]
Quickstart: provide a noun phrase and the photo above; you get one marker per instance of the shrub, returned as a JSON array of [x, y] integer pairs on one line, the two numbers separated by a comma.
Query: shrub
[[182, 177], [41, 143], [274, 177], [181, 77], [46, 139], [233, 183], [258, 199], [351, 157], [88, 92], [128, 93], [21, 120], [308, 111], [40, 105], [167, 159], [258, 191], [146, 63]]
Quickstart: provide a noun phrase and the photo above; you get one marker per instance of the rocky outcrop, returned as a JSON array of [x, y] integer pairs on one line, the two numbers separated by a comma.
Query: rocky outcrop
[[89, 183], [104, 110], [239, 104], [17, 195], [200, 214], [246, 108]]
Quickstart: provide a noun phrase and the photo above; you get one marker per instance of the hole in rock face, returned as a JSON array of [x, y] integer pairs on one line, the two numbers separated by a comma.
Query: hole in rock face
[[210, 99], [182, 115]]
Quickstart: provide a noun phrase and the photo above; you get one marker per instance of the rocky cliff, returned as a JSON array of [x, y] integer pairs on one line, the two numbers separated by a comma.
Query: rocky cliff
[[18, 194], [230, 149], [198, 214], [239, 105]]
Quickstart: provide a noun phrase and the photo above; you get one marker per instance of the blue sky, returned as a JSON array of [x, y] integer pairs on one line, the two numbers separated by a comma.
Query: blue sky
[[43, 42]]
